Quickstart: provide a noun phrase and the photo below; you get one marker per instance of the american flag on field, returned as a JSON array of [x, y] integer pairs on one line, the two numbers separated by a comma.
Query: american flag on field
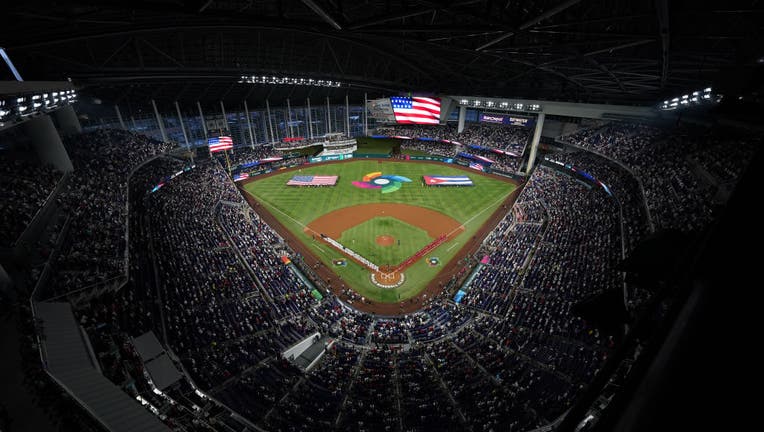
[[240, 176], [477, 166], [220, 144], [309, 180], [416, 110]]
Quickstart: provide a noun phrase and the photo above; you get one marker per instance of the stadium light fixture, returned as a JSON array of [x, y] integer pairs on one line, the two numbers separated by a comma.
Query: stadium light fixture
[[253, 79], [696, 97], [22, 106]]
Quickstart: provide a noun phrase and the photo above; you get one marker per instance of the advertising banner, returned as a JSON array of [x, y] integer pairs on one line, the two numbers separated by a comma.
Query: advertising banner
[[506, 119], [315, 159]]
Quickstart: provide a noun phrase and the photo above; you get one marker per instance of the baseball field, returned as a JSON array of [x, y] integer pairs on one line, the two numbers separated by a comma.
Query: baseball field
[[387, 229]]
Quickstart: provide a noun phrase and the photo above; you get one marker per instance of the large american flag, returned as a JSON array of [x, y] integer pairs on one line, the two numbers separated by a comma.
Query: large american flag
[[309, 180], [220, 144], [476, 166], [417, 110]]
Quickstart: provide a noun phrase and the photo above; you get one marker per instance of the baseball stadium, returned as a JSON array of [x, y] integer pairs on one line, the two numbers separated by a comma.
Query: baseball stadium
[[393, 216]]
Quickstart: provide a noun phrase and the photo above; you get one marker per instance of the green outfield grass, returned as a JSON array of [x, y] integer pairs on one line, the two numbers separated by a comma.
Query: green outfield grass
[[362, 239], [296, 207]]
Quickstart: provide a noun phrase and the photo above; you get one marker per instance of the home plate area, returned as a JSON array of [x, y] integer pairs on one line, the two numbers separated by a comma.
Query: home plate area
[[387, 278]]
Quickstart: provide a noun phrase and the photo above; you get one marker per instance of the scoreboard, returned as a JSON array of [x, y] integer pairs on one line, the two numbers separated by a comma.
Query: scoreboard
[[381, 110], [423, 110]]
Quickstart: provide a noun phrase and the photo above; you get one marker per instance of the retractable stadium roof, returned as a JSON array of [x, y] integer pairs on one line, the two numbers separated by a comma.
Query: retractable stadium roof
[[611, 51]]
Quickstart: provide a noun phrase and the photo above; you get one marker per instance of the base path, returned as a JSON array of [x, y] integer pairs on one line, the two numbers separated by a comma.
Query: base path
[[336, 222]]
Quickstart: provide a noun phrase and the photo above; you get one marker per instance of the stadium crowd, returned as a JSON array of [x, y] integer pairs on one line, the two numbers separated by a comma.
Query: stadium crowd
[[95, 199], [681, 168], [26, 188], [247, 156], [486, 137], [437, 148], [205, 273], [507, 138], [244, 154]]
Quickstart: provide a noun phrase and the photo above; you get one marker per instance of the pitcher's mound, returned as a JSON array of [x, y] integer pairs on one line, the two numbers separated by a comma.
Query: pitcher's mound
[[385, 240]]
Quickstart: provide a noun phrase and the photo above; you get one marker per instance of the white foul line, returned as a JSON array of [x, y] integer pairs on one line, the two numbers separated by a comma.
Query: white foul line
[[462, 226]]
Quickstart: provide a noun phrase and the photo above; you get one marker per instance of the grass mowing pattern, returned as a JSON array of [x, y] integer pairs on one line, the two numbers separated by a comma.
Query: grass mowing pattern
[[362, 239], [295, 207]]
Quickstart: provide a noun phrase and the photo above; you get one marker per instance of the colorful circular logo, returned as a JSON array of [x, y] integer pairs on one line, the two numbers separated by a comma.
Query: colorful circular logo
[[387, 183]]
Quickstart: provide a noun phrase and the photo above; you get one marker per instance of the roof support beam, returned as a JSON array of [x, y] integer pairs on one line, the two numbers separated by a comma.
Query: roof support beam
[[162, 53], [531, 22], [408, 13], [324, 15], [607, 71], [391, 17], [663, 23], [205, 6]]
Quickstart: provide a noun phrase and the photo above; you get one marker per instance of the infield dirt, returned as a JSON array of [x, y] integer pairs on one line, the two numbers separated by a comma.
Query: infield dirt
[[385, 240], [337, 221]]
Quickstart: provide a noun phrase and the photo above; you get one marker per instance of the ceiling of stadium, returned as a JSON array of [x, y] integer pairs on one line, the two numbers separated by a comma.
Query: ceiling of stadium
[[615, 51]]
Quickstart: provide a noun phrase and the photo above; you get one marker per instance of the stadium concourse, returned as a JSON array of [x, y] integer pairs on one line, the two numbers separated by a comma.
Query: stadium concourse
[[202, 270]]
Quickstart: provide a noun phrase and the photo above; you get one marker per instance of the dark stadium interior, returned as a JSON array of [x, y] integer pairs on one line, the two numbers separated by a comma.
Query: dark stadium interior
[[565, 50], [142, 287]]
